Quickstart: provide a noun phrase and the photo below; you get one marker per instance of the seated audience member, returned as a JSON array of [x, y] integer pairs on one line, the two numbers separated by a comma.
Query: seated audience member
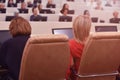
[[23, 8], [99, 6], [2, 1], [29, 4], [19, 1], [23, 5], [50, 4], [115, 18], [11, 50], [11, 4], [86, 12], [35, 16], [65, 17], [64, 12], [65, 6], [81, 29], [2, 8], [108, 4]]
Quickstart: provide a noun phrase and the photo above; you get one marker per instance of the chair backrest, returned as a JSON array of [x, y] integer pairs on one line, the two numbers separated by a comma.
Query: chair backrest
[[101, 57], [45, 57]]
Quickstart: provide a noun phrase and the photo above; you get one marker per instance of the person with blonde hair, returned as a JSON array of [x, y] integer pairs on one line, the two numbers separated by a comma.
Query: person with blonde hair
[[12, 49], [81, 30]]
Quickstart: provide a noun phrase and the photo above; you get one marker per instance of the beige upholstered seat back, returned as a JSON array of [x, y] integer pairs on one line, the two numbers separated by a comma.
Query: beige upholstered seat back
[[45, 57], [101, 57]]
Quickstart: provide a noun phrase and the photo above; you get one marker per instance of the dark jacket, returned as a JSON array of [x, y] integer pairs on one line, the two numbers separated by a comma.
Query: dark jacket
[[11, 53], [35, 18]]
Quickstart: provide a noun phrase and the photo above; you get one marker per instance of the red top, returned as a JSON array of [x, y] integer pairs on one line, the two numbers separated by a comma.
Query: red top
[[76, 50]]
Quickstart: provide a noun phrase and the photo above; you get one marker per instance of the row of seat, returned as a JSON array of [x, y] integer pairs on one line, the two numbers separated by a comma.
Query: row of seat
[[46, 57], [101, 15]]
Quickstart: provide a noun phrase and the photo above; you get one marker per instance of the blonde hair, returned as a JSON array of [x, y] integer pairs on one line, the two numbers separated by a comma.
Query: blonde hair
[[81, 28], [19, 26]]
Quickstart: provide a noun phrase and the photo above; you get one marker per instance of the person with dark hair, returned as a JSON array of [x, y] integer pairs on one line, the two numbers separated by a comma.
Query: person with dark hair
[[35, 16], [108, 4], [64, 12], [11, 50], [86, 12], [23, 8], [115, 18], [99, 5], [65, 6], [11, 4]]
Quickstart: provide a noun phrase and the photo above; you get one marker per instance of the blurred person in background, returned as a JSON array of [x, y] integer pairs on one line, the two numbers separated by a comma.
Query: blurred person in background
[[99, 5], [11, 3], [65, 6], [86, 12], [35, 16], [115, 18], [2, 6]]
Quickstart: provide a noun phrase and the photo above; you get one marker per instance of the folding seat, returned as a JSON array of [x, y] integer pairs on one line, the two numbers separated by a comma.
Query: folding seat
[[101, 57], [45, 57]]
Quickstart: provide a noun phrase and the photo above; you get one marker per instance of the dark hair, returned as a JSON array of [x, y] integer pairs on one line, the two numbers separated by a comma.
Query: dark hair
[[62, 11], [85, 12], [63, 8], [34, 8]]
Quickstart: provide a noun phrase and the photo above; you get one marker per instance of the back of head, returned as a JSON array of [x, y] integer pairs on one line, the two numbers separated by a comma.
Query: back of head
[[81, 28], [19, 26]]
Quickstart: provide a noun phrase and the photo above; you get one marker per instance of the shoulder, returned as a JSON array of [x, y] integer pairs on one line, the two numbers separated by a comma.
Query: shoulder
[[31, 15], [6, 43]]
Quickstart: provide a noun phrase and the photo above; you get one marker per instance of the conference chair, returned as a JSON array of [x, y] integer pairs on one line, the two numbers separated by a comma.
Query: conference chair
[[101, 57], [45, 57]]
